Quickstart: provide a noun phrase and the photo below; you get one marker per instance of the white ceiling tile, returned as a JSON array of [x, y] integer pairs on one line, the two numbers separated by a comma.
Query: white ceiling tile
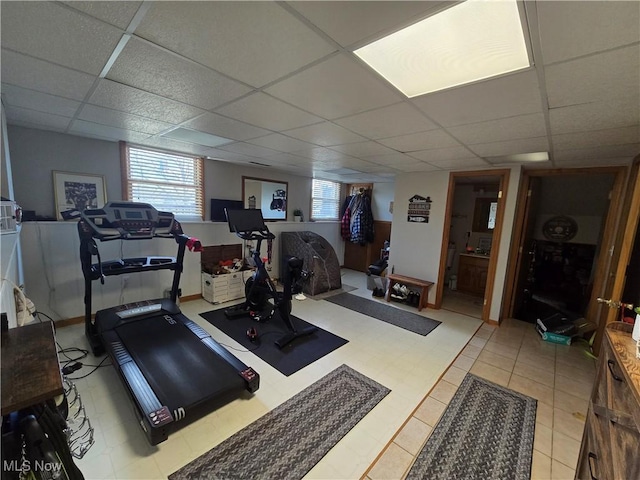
[[570, 29], [282, 143], [594, 162], [594, 116], [420, 141], [282, 158], [247, 149], [60, 35], [122, 120], [23, 116], [391, 160], [42, 102], [44, 77], [264, 111], [442, 154], [350, 22], [131, 100], [118, 13], [604, 152], [607, 76], [254, 42], [325, 134], [175, 145], [416, 167], [360, 149], [149, 68], [225, 127], [613, 136], [321, 154], [334, 88], [218, 154], [105, 132], [522, 145], [502, 97], [455, 163], [375, 123], [524, 126]]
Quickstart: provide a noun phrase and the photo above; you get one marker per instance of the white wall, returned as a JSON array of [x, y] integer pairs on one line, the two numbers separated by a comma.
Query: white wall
[[36, 153], [382, 196], [416, 247], [54, 277], [10, 255]]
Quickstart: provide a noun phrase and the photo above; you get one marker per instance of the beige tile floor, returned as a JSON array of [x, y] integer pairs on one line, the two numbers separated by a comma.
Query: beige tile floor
[[409, 364], [514, 356]]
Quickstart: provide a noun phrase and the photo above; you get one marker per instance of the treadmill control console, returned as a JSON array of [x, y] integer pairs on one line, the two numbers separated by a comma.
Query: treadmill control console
[[134, 312], [251, 378], [128, 220], [160, 417]]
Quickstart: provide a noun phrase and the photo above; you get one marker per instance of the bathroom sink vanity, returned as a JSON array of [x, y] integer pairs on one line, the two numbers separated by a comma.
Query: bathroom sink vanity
[[472, 273]]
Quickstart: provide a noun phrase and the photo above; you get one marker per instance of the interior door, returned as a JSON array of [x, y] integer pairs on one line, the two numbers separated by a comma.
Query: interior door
[[620, 253], [524, 262]]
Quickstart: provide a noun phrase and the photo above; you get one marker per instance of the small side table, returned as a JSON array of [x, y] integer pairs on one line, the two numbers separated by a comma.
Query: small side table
[[30, 367]]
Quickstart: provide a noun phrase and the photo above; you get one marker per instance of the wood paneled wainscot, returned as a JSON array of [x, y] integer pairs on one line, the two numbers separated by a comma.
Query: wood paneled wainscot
[[472, 273], [611, 441]]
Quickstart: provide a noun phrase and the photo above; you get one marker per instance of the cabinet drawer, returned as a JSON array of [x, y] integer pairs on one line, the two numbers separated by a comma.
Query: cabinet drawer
[[624, 447], [620, 398]]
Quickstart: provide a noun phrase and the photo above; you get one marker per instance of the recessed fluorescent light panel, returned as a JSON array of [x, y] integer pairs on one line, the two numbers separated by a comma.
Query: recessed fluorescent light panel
[[199, 138], [519, 158], [471, 41]]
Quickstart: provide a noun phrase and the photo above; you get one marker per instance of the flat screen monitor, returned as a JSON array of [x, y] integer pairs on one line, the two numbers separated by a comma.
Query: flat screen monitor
[[245, 220], [218, 205]]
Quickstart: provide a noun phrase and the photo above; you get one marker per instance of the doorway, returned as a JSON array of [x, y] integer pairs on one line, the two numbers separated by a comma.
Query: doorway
[[562, 233], [473, 222]]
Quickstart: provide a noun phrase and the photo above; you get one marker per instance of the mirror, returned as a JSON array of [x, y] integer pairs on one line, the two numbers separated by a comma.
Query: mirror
[[268, 195], [484, 215]]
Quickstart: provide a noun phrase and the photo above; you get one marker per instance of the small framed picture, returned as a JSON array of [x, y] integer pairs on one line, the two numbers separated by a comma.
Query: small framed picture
[[78, 191]]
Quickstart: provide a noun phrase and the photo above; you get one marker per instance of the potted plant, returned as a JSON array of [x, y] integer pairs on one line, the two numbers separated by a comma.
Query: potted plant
[[297, 215]]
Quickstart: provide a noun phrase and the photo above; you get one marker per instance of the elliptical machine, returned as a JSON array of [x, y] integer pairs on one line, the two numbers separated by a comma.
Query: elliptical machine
[[260, 290]]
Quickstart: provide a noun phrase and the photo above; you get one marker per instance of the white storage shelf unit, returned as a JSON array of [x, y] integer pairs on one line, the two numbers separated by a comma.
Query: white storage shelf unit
[[224, 287]]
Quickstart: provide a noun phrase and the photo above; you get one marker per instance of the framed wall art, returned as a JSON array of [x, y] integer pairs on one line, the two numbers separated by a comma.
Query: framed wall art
[[78, 191]]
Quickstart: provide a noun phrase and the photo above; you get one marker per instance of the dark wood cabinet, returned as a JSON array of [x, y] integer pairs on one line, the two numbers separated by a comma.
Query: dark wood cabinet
[[472, 274], [612, 430]]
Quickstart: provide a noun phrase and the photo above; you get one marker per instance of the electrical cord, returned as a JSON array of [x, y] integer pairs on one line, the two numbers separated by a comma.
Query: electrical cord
[[95, 367]]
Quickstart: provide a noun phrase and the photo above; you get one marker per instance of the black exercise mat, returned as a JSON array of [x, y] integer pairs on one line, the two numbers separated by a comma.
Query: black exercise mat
[[294, 356], [395, 316]]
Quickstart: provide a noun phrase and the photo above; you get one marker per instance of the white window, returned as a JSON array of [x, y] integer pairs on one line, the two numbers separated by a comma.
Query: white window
[[171, 182], [325, 200]]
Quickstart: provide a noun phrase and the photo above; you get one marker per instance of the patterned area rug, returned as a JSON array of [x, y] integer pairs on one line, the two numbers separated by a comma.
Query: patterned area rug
[[289, 440], [395, 316], [485, 432]]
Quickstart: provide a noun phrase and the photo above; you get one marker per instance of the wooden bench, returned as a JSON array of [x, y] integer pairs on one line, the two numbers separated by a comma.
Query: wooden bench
[[410, 281]]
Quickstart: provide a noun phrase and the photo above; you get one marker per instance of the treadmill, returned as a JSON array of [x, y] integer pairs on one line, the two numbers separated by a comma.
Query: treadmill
[[172, 369]]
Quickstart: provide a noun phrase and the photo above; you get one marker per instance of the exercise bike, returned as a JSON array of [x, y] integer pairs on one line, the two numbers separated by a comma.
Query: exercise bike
[[262, 299]]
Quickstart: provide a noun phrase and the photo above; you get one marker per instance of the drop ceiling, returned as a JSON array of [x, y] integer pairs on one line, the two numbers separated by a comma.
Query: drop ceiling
[[279, 84]]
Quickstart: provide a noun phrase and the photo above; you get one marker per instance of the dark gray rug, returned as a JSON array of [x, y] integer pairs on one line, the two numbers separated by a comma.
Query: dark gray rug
[[395, 316], [485, 432], [289, 440]]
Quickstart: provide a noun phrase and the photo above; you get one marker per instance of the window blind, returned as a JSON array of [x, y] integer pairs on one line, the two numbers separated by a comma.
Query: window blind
[[170, 182], [325, 200]]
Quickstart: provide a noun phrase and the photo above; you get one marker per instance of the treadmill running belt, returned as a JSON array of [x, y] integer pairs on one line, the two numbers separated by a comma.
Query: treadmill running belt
[[180, 369]]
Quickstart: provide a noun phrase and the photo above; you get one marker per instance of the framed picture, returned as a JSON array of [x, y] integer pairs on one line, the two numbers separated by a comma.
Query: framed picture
[[78, 191]]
